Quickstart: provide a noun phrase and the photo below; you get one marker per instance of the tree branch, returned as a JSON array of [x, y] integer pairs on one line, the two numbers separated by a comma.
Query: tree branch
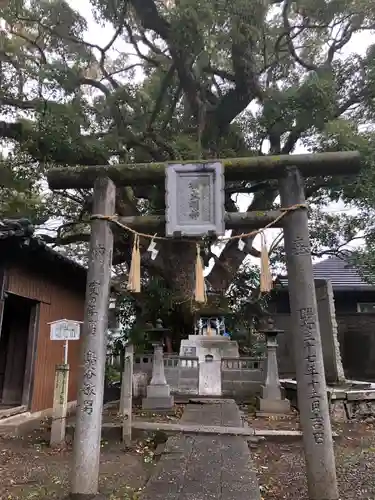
[[163, 89], [288, 31], [247, 86], [33, 43], [148, 13], [134, 43]]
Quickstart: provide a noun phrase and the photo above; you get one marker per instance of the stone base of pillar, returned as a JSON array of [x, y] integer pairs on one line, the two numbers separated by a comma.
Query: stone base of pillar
[[158, 398], [270, 407], [271, 392], [158, 403]]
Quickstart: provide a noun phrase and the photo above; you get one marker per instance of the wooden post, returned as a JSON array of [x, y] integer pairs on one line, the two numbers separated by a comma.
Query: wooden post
[[308, 355], [3, 280], [85, 470], [60, 405], [126, 398]]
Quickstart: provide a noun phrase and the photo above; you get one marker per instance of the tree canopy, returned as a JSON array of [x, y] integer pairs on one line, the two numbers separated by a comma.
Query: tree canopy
[[186, 79]]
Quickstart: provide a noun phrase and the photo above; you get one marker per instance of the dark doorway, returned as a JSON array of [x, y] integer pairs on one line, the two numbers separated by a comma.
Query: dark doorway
[[17, 349]]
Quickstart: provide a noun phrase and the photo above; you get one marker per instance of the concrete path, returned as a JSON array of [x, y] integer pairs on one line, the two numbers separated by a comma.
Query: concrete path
[[205, 467]]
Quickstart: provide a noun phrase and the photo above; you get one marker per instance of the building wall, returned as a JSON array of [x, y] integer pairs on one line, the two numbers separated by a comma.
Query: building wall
[[357, 343], [345, 301], [59, 299], [356, 335]]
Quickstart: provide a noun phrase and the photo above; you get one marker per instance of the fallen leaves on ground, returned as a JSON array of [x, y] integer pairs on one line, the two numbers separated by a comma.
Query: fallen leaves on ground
[[281, 467], [30, 469]]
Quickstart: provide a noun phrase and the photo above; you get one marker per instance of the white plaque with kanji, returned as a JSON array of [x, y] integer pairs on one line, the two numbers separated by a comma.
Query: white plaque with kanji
[[195, 199], [65, 329]]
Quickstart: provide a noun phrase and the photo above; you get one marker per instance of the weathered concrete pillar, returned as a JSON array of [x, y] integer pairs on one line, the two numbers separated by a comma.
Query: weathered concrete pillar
[[126, 397], [271, 400], [85, 467], [333, 366], [311, 385], [158, 391], [60, 405], [158, 373]]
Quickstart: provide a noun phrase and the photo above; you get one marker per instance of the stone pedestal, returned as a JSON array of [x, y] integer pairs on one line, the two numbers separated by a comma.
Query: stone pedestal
[[271, 400], [210, 378], [209, 349], [158, 395]]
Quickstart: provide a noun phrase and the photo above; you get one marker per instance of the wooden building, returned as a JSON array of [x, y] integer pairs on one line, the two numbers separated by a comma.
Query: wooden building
[[37, 286], [354, 298], [352, 292]]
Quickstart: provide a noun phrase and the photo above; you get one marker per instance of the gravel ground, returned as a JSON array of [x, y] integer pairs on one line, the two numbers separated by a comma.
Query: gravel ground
[[29, 469], [281, 466]]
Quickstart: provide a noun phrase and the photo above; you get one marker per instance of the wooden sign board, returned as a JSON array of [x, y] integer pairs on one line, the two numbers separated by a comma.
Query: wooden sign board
[[65, 330], [195, 199]]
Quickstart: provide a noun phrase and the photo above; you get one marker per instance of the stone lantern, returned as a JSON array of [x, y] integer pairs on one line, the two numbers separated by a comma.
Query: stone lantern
[[271, 400], [158, 391]]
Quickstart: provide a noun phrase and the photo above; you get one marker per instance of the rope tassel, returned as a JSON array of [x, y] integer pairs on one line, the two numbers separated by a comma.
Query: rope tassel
[[200, 290], [134, 282], [265, 272]]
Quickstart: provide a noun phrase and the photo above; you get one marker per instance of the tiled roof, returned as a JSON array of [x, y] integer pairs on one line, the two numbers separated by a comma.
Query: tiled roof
[[19, 233], [342, 275]]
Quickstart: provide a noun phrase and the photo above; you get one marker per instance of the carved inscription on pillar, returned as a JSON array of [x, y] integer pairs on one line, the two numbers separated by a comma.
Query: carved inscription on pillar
[[93, 291], [300, 247], [89, 373], [307, 324], [98, 254]]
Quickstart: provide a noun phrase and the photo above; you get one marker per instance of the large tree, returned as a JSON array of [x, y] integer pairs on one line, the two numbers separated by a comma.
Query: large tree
[[215, 78]]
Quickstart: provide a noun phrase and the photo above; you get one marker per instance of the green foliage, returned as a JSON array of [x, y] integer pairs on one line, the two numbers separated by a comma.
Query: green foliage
[[176, 79], [112, 374]]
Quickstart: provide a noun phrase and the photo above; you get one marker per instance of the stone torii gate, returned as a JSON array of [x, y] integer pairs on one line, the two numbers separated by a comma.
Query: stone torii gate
[[311, 384]]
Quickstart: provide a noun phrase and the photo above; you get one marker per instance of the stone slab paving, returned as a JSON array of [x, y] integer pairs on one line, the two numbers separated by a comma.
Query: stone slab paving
[[205, 467]]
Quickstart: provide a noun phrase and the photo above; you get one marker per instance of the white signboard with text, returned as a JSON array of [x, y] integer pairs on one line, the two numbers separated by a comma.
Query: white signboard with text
[[65, 329]]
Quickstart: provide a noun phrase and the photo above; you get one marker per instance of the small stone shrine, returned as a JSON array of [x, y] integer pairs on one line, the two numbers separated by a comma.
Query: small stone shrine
[[209, 344], [208, 338]]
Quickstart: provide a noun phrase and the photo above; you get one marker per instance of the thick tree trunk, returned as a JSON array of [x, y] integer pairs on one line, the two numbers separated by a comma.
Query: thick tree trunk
[[168, 344], [179, 262]]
